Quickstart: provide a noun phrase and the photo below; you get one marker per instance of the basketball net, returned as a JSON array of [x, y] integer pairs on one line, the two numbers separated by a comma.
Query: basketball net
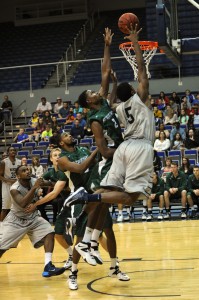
[[149, 49]]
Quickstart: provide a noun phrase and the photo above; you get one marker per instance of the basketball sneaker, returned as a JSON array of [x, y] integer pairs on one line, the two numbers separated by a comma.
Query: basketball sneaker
[[120, 218], [84, 250], [51, 270], [116, 273], [68, 234], [183, 215], [160, 216], [78, 197], [95, 252], [149, 217], [68, 263], [167, 216], [72, 280], [144, 215]]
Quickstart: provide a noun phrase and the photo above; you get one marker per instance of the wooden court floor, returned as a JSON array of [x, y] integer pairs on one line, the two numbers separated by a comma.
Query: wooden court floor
[[161, 258]]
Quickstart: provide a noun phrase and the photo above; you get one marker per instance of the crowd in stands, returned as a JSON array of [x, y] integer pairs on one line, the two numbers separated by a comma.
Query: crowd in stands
[[177, 122]]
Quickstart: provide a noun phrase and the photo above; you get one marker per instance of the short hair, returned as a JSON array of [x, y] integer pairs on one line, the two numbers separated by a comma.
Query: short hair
[[54, 150], [124, 91], [174, 163], [9, 149], [17, 169], [82, 99]]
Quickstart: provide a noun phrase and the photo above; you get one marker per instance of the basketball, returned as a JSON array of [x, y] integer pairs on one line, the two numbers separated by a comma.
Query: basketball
[[127, 19]]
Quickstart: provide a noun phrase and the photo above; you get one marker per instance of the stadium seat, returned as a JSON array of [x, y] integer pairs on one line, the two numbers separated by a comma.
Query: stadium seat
[[38, 152], [23, 153], [16, 145]]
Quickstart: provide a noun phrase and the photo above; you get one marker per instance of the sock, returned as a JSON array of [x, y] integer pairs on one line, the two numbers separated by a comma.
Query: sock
[[95, 236], [113, 262], [70, 250], [48, 257], [144, 209], [119, 212], [81, 217], [87, 235], [74, 267], [93, 197]]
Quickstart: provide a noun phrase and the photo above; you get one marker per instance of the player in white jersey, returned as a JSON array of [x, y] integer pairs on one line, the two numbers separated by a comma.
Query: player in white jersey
[[18, 223], [8, 177], [130, 175]]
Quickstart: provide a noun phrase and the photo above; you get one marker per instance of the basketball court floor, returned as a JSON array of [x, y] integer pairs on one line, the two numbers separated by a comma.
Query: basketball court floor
[[161, 258]]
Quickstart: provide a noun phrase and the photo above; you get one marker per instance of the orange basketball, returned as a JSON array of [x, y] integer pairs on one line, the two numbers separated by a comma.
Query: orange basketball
[[127, 19]]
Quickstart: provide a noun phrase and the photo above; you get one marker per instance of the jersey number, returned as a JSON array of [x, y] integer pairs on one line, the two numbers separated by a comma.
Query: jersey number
[[130, 117], [115, 123]]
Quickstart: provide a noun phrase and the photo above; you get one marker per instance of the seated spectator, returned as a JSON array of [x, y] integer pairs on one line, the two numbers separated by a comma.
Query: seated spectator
[[36, 169], [34, 120], [24, 161], [38, 130], [183, 118], [47, 117], [64, 111], [59, 128], [162, 129], [196, 115], [54, 139], [190, 123], [190, 97], [191, 142], [6, 110], [70, 117], [156, 162], [78, 109], [163, 97], [157, 193], [174, 106], [186, 168], [166, 169], [178, 143], [161, 105], [58, 105], [77, 131], [177, 129], [184, 102], [54, 122], [85, 112], [170, 117], [152, 101], [21, 137], [47, 133], [158, 115], [82, 122], [175, 98], [175, 188], [162, 143], [196, 100], [43, 106], [193, 192]]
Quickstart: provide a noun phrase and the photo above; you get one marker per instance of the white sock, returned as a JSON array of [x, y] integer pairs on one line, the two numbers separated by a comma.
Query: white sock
[[74, 267], [48, 257], [113, 262], [87, 235], [119, 211], [70, 250], [95, 235]]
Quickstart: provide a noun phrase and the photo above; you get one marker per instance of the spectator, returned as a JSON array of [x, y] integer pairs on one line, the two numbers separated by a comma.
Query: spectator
[[85, 112], [64, 111], [70, 117], [162, 143], [175, 98], [54, 122], [175, 188], [176, 128], [24, 161], [152, 101], [162, 129], [158, 115], [157, 193], [156, 162], [47, 133], [191, 142], [58, 105], [196, 100], [166, 169], [190, 97], [38, 130], [78, 109], [161, 105], [6, 110], [177, 143], [82, 122], [193, 192], [43, 106], [163, 97], [186, 168], [190, 123], [59, 128], [36, 169], [170, 117], [196, 115], [54, 139], [21, 137], [77, 131], [34, 120], [47, 117], [184, 102], [183, 118]]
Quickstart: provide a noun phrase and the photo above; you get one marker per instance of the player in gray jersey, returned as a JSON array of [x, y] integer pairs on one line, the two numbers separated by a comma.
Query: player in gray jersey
[[130, 175], [8, 177], [18, 223]]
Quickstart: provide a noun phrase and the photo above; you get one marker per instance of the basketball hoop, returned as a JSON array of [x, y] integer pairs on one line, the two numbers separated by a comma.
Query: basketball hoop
[[149, 49]]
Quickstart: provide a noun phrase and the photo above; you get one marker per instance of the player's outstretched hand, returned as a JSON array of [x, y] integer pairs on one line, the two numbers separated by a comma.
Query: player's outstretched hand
[[108, 36], [133, 33], [30, 208], [39, 182]]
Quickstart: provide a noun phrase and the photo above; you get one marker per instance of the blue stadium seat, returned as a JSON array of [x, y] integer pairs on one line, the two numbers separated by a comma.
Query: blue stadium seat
[[23, 153], [38, 152], [17, 145]]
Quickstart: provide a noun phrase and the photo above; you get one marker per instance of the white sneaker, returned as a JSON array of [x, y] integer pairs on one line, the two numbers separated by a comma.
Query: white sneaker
[[160, 216], [149, 217], [95, 252], [84, 250], [116, 273], [120, 218], [127, 218], [68, 263], [144, 215], [183, 215], [72, 280], [167, 216]]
